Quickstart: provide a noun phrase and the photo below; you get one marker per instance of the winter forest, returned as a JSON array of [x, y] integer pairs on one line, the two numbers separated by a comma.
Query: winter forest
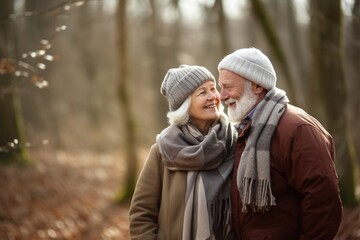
[[80, 104]]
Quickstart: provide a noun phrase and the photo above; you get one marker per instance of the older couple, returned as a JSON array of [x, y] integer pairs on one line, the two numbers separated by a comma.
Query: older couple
[[264, 172]]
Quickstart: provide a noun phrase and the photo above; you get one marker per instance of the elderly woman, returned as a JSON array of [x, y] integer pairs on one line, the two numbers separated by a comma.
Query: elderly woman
[[183, 191]]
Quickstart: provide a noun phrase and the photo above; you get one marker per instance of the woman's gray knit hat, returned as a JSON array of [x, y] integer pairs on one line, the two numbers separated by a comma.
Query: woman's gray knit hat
[[179, 83], [251, 64]]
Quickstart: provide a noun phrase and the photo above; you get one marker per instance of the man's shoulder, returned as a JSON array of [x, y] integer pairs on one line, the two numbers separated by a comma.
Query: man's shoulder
[[295, 117]]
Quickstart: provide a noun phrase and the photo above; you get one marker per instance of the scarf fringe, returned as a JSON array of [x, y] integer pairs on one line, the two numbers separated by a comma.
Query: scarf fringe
[[220, 213], [264, 198]]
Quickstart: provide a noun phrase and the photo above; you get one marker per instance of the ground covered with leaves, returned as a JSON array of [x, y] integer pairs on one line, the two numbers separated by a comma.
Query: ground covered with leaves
[[63, 196], [71, 196]]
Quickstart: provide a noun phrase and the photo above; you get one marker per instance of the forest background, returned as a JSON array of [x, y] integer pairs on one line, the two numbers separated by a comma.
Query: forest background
[[80, 80]]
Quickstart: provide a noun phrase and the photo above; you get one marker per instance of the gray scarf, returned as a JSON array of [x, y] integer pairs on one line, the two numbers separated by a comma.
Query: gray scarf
[[253, 178], [208, 161]]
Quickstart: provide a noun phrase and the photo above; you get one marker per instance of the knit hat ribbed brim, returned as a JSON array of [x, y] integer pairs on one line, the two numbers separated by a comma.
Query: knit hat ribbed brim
[[251, 64], [180, 83]]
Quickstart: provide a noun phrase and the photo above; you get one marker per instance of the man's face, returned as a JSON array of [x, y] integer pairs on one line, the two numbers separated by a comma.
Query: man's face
[[236, 92]]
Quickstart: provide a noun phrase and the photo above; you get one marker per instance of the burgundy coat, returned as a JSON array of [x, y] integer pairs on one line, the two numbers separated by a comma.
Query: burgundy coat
[[303, 181]]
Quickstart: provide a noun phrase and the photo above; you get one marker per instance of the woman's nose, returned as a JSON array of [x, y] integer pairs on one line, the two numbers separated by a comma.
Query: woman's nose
[[213, 95]]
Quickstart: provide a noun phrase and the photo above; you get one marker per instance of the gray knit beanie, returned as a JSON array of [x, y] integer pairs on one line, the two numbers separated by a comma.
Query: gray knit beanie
[[251, 64], [179, 83]]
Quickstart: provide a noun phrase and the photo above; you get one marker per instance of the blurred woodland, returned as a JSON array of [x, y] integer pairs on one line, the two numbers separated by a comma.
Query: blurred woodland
[[80, 103]]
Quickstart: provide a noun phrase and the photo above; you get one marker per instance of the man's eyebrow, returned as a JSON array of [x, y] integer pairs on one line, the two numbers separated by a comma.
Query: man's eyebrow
[[225, 84]]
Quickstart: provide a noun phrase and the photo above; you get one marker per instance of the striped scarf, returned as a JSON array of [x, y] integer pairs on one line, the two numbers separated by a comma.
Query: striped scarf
[[253, 176], [209, 162]]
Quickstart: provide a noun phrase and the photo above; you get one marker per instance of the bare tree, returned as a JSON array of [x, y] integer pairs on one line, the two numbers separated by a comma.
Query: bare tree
[[327, 68], [222, 27], [155, 36], [275, 44], [354, 85], [12, 136], [128, 118], [297, 48]]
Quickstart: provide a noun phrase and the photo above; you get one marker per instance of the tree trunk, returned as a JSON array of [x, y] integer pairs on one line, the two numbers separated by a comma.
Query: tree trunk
[[297, 52], [12, 135], [328, 72], [222, 27], [274, 42], [128, 118], [154, 38], [354, 85]]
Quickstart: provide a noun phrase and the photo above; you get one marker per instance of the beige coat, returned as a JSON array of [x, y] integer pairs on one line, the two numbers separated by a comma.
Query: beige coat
[[147, 220]]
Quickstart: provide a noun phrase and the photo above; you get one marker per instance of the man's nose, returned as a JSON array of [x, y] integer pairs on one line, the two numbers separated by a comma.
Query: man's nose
[[223, 95]]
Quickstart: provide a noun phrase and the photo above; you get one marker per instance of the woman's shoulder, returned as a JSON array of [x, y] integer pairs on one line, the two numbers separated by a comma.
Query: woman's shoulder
[[154, 151]]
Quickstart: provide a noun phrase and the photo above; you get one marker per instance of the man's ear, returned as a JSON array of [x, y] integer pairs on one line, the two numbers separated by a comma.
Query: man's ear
[[256, 88]]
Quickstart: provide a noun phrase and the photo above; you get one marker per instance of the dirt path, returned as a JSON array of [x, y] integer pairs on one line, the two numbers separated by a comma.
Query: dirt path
[[70, 196]]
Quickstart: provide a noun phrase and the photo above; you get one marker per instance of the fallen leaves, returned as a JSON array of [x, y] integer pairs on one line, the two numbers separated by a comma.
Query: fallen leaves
[[63, 196]]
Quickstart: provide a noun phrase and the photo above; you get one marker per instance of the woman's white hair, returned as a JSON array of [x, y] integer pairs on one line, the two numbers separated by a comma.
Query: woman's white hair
[[181, 115]]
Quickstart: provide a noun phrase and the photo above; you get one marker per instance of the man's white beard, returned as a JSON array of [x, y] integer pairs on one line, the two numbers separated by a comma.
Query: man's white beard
[[242, 105]]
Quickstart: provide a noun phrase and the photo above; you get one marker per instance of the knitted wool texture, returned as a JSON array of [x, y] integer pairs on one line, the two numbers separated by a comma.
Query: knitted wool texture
[[180, 83], [251, 64]]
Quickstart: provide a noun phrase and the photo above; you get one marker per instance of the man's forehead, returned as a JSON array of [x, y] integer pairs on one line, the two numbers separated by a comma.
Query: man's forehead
[[229, 78]]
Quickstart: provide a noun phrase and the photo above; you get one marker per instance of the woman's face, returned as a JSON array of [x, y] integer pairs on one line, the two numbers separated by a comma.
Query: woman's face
[[204, 104]]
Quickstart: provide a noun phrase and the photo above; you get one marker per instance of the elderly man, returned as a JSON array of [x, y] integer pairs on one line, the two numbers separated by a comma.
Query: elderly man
[[284, 183]]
